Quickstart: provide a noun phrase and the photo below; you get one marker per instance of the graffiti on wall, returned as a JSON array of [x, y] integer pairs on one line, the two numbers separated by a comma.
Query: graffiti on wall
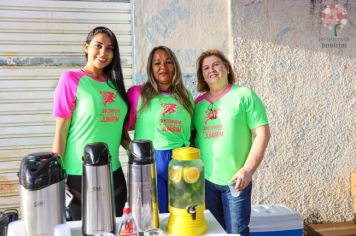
[[189, 81], [333, 16], [285, 31], [187, 59], [163, 23], [187, 56], [252, 11]]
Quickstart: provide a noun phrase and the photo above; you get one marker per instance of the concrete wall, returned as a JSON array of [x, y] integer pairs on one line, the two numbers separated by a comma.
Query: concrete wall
[[309, 91], [310, 94], [187, 27]]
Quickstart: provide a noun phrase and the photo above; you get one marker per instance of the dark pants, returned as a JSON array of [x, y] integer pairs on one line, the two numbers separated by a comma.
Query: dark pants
[[74, 183], [233, 213]]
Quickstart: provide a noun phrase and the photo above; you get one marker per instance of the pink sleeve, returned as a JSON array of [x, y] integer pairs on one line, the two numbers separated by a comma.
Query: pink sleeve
[[133, 94], [201, 97], [66, 94]]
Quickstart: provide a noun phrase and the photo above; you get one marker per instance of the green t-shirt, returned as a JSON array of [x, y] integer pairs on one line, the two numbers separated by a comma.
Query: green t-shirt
[[224, 131], [164, 121], [98, 115]]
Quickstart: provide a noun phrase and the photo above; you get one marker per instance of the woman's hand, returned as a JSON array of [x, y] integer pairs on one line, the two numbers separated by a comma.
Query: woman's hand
[[243, 178]]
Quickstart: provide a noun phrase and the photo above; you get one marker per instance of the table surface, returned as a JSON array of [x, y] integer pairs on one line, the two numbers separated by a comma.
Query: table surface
[[74, 228], [214, 228]]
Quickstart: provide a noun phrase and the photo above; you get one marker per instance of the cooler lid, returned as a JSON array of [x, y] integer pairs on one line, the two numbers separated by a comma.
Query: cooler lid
[[39, 170], [96, 154], [268, 218], [140, 152]]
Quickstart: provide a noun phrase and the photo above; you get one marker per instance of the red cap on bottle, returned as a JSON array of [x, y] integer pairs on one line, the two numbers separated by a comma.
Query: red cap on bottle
[[127, 209]]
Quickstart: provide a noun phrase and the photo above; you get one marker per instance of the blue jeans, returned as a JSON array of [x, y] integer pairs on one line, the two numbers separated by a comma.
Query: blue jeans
[[233, 213], [162, 158]]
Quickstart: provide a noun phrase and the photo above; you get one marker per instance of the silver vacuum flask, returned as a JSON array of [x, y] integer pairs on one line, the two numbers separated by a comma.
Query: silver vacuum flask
[[42, 180], [98, 206], [142, 185]]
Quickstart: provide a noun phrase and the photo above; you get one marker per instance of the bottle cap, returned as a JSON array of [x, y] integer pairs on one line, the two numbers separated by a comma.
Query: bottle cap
[[186, 153], [127, 209]]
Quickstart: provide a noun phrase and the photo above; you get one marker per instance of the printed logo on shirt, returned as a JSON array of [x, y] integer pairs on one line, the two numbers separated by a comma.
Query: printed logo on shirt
[[211, 114], [168, 108], [109, 115], [170, 125], [213, 131], [108, 97]]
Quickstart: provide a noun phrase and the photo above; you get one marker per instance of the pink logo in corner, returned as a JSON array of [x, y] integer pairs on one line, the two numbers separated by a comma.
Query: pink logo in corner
[[168, 108], [334, 17], [108, 97]]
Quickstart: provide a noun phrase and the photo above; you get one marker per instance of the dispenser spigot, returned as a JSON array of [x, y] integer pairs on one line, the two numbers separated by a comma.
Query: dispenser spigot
[[192, 210]]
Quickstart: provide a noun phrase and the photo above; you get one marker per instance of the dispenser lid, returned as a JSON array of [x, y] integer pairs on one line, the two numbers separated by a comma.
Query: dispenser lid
[[186, 153], [96, 154], [140, 152], [39, 170]]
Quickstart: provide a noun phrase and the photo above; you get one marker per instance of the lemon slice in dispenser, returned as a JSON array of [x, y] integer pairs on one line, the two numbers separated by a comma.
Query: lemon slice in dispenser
[[191, 174], [175, 174]]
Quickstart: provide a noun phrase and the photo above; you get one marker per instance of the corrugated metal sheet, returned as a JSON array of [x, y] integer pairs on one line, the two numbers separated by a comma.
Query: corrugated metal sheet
[[39, 40]]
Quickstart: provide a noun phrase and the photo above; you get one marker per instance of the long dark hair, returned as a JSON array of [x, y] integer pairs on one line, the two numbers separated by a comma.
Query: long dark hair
[[177, 88], [113, 70]]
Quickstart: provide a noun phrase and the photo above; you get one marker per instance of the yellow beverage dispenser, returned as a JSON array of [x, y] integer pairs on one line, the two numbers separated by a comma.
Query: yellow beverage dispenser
[[186, 189]]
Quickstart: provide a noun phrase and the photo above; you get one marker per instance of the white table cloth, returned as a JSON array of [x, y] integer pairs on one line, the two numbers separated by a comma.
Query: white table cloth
[[74, 228]]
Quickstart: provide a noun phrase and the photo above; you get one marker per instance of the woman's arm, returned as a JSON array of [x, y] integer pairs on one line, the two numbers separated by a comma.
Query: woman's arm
[[125, 139], [133, 95], [261, 136], [60, 136]]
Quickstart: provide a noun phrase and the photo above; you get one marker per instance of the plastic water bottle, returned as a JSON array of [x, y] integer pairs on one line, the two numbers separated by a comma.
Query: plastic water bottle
[[127, 225], [233, 190]]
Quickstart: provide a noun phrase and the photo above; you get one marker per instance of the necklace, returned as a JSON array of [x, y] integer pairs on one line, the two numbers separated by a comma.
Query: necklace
[[211, 113]]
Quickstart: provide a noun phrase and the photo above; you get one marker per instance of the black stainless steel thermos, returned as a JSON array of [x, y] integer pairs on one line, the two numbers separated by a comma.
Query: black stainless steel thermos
[[42, 180], [98, 206]]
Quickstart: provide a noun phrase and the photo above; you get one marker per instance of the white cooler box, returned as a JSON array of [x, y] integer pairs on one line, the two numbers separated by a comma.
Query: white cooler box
[[275, 220]]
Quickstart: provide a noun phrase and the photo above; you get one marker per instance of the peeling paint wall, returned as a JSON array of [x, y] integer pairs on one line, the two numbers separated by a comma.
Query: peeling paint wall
[[310, 94], [309, 91], [185, 27]]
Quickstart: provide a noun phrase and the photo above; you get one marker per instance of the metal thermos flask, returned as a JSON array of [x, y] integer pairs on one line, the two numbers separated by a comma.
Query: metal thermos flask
[[142, 185], [42, 180], [98, 204]]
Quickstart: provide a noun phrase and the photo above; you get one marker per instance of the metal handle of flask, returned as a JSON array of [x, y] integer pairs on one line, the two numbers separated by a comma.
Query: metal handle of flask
[[192, 210]]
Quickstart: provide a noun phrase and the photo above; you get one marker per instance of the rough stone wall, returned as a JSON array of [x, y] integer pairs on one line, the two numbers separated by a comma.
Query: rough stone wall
[[309, 90]]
